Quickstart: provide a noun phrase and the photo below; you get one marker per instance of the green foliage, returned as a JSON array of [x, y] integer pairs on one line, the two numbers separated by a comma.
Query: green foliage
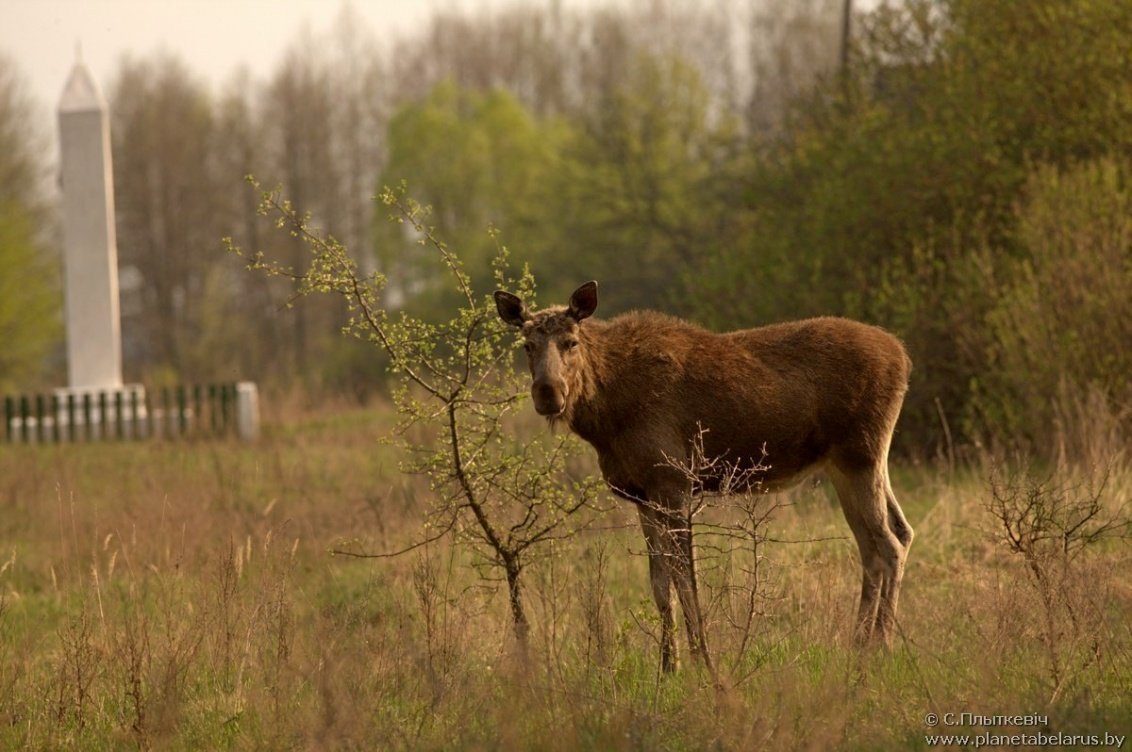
[[893, 194], [478, 159], [1046, 80], [647, 175], [1057, 335], [650, 176], [29, 301]]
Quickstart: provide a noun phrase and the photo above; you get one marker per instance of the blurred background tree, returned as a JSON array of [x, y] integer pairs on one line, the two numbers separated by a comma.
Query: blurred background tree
[[30, 297], [479, 159], [957, 176], [892, 193], [168, 202]]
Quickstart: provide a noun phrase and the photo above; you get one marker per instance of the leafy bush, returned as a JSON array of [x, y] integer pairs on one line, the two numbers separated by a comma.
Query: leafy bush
[[1056, 340]]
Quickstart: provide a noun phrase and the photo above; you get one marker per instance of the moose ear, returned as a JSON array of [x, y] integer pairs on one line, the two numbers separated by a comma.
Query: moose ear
[[511, 308], [583, 302]]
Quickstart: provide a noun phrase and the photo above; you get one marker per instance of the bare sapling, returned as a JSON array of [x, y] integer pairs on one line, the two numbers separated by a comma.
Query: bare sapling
[[731, 519], [1052, 523], [495, 489]]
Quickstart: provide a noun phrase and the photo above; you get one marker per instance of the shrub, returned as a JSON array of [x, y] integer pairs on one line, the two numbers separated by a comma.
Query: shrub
[[1056, 341]]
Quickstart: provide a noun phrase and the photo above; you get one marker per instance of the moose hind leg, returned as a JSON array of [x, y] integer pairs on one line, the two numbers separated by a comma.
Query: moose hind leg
[[890, 593], [864, 497], [660, 577], [684, 574]]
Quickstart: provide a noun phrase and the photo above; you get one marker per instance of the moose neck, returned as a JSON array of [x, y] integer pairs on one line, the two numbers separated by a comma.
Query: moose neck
[[593, 413]]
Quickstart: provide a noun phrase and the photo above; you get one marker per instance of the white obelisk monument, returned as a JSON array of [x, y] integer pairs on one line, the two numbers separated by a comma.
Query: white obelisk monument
[[90, 260]]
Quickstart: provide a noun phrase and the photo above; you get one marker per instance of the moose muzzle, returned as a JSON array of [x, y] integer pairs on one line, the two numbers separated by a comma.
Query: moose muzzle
[[549, 397]]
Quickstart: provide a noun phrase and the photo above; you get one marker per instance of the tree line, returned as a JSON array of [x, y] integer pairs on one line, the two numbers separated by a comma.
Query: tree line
[[957, 173]]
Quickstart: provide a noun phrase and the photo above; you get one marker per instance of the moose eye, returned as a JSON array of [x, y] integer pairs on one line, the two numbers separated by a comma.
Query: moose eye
[[529, 347], [569, 344]]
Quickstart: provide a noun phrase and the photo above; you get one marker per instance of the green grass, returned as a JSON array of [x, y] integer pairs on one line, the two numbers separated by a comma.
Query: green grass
[[183, 596]]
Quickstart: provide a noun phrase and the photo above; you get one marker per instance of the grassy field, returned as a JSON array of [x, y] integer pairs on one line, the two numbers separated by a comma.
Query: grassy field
[[184, 596]]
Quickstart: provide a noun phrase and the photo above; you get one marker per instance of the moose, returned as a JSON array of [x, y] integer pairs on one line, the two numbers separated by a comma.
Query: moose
[[781, 400]]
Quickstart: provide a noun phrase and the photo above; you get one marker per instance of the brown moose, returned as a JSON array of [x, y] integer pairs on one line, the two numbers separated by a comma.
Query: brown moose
[[820, 393]]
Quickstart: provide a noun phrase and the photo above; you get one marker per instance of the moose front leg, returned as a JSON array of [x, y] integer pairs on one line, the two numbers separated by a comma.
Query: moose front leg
[[660, 576], [687, 589], [672, 563]]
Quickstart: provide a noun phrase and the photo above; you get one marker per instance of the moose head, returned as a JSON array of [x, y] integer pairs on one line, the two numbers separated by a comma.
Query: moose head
[[554, 343]]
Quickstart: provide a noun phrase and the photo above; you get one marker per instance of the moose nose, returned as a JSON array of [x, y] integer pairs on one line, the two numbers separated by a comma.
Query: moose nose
[[549, 399]]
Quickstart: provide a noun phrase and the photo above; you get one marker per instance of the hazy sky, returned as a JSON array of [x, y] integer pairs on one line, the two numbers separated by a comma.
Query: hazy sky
[[213, 37]]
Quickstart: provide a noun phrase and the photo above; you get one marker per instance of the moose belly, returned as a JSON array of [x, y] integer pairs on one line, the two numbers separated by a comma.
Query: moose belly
[[771, 459], [720, 461]]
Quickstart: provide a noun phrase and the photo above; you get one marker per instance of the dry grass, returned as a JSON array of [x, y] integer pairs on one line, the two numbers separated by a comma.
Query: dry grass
[[181, 596]]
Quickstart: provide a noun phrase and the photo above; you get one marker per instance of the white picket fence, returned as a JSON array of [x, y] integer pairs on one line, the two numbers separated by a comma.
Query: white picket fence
[[131, 412]]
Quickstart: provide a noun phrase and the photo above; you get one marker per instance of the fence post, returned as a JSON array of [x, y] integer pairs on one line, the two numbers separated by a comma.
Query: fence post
[[103, 423], [227, 392], [213, 409], [88, 424], [40, 427], [72, 434], [56, 429], [247, 410], [182, 410], [136, 429], [9, 418], [25, 413]]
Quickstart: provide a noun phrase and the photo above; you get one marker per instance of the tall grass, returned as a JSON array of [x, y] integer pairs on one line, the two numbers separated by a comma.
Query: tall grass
[[183, 596]]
